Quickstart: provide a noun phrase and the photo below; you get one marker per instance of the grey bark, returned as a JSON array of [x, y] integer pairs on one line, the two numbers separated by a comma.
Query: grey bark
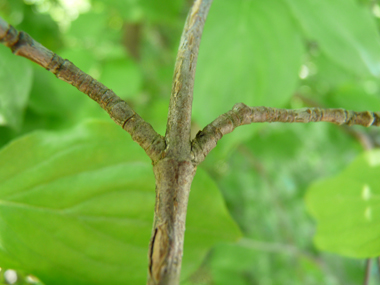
[[241, 115], [175, 172]]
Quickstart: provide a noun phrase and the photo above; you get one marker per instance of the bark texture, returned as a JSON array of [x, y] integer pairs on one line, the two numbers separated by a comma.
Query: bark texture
[[179, 119], [173, 181], [175, 172], [241, 114]]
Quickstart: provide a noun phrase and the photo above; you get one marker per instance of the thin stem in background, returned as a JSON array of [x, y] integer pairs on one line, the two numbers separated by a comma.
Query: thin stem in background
[[367, 273]]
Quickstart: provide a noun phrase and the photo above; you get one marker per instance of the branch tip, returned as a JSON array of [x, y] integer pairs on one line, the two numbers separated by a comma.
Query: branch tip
[[242, 114]]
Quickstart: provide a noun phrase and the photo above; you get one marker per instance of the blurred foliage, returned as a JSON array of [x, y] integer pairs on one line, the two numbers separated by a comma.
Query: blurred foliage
[[285, 53], [346, 207]]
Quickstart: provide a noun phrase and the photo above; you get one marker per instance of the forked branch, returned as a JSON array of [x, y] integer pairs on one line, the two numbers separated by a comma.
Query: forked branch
[[143, 133], [241, 114], [175, 157], [175, 172]]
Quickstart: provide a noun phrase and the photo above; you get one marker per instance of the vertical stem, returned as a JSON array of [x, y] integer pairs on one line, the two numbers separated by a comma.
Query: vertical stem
[[173, 181], [179, 118], [175, 171]]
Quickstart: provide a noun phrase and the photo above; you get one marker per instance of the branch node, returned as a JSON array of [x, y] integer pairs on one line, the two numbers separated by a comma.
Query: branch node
[[376, 120], [127, 120], [55, 64], [11, 37]]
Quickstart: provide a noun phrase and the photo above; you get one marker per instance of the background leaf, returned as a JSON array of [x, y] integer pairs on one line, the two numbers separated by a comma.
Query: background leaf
[[353, 44], [346, 208], [15, 81], [246, 47], [124, 77], [77, 208], [151, 10]]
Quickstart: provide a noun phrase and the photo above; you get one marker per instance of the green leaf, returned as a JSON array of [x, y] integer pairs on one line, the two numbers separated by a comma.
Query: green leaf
[[251, 53], [15, 81], [354, 44], [347, 208], [354, 97], [55, 98], [76, 207], [43, 96], [208, 221], [122, 76]]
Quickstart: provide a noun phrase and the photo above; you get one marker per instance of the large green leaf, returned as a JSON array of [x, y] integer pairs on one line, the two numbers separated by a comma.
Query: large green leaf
[[345, 31], [15, 84], [76, 207], [347, 209], [251, 53]]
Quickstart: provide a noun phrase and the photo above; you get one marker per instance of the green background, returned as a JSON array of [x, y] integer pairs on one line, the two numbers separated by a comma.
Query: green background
[[272, 204]]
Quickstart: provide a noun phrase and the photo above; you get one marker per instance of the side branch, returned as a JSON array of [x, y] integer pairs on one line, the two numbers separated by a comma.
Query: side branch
[[241, 114], [179, 119], [143, 133]]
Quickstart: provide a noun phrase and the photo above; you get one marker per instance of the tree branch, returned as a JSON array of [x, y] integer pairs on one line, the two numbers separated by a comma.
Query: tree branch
[[179, 119], [241, 114], [363, 138], [143, 133], [175, 172]]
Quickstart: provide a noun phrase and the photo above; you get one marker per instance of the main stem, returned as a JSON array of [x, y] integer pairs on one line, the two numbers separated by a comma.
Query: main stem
[[175, 171], [173, 181]]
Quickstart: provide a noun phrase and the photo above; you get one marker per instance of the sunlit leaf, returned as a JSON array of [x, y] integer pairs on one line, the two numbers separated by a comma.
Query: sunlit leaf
[[343, 30]]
